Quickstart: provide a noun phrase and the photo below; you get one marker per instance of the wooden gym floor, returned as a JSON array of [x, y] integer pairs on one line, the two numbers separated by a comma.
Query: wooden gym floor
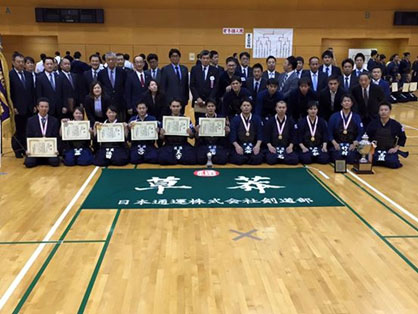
[[360, 258]]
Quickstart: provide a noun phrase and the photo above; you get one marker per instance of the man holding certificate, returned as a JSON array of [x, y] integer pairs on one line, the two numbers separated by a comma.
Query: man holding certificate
[[76, 136], [246, 136], [144, 131], [175, 131], [42, 132], [313, 137], [111, 137], [211, 138], [280, 137]]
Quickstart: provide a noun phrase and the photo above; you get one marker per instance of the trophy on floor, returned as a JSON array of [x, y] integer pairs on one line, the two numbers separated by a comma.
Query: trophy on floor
[[209, 164], [365, 148]]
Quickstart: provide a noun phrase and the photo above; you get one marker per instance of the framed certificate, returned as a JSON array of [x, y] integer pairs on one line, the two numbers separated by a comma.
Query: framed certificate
[[76, 130], [413, 86], [394, 87], [212, 127], [405, 88], [144, 130], [110, 132], [176, 125], [42, 146]]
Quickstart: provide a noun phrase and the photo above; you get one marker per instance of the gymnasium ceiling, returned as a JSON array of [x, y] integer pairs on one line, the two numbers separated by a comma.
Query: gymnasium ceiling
[[354, 5]]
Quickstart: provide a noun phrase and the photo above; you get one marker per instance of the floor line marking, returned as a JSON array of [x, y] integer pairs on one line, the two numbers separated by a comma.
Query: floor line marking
[[320, 172], [402, 209], [410, 127], [41, 246]]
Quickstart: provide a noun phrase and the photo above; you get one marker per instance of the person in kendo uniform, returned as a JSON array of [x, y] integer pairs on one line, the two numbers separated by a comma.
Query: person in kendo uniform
[[217, 146], [246, 136], [345, 130], [111, 153], [389, 135], [313, 137], [143, 151], [176, 149], [280, 137]]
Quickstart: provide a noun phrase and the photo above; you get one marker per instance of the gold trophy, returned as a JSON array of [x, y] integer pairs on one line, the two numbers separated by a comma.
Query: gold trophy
[[365, 148]]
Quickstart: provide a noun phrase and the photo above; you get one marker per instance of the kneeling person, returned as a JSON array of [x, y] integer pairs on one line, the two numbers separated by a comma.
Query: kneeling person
[[111, 153], [345, 130], [176, 149], [246, 136], [217, 146], [389, 135], [313, 137], [280, 137], [143, 151], [42, 125], [77, 152]]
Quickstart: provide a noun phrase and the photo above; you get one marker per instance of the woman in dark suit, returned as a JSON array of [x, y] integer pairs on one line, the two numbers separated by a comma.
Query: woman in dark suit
[[156, 101], [96, 103]]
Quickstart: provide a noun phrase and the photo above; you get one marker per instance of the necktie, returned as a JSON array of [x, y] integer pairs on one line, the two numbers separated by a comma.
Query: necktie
[[142, 79], [204, 73], [332, 100], [22, 77], [178, 72], [51, 79], [70, 79], [314, 82], [153, 74], [256, 87], [284, 81], [112, 79], [358, 73], [43, 120], [327, 71], [244, 71], [365, 96], [346, 83], [95, 75]]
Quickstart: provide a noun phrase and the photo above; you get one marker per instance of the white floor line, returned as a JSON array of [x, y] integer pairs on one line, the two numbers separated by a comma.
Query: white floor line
[[41, 246], [406, 212], [320, 172], [410, 127]]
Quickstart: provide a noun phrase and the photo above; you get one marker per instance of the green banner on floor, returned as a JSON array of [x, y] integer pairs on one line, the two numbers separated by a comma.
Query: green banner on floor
[[191, 188]]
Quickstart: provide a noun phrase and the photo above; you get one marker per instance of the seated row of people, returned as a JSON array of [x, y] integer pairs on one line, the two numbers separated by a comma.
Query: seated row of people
[[248, 139]]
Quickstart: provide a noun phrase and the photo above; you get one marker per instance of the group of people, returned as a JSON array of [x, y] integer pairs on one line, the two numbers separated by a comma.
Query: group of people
[[313, 115]]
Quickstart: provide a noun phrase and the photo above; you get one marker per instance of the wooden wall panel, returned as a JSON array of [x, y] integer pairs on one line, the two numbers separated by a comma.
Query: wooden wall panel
[[144, 30]]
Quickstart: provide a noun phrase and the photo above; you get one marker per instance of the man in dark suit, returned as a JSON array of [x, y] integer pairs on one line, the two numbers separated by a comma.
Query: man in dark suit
[[136, 84], [384, 85], [368, 97], [154, 71], [299, 67], [30, 67], [22, 93], [327, 67], [271, 72], [330, 98], [244, 70], [90, 75], [175, 79], [372, 63], [318, 79], [48, 85], [359, 59], [78, 66], [257, 83], [348, 80], [71, 87], [120, 62], [42, 125], [214, 61], [113, 81], [288, 81], [204, 80]]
